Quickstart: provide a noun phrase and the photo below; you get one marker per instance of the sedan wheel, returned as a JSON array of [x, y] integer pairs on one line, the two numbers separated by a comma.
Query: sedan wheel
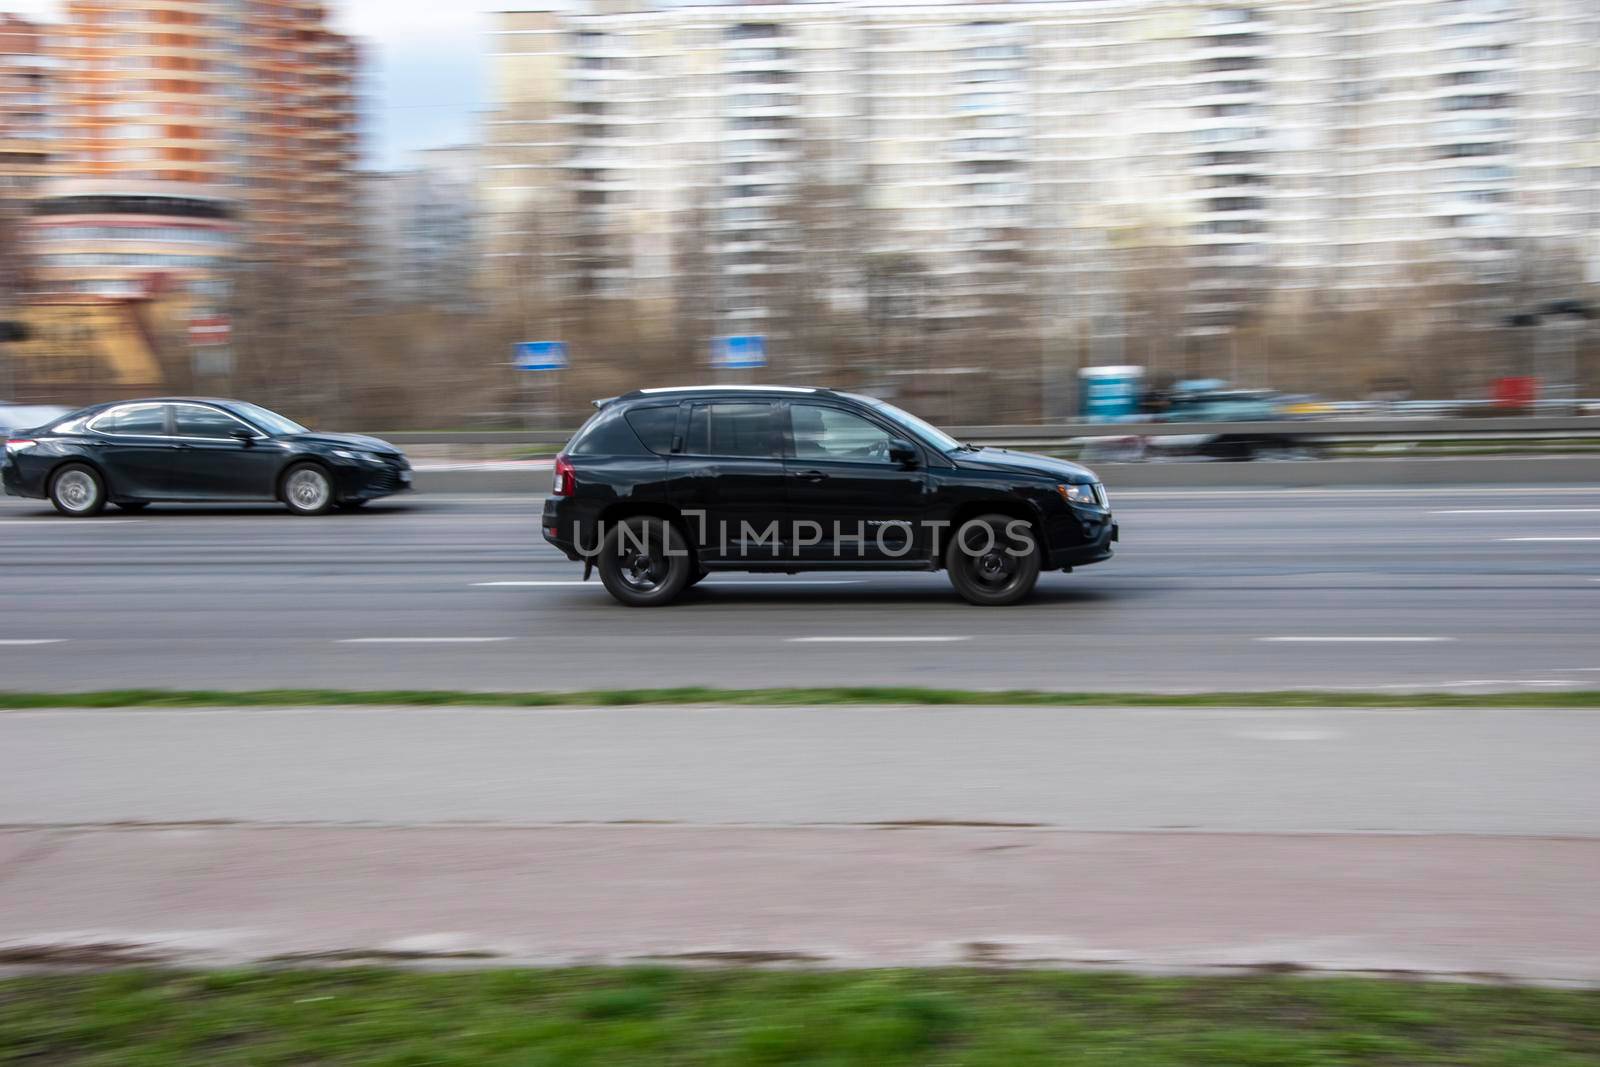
[[990, 566], [78, 491], [307, 489]]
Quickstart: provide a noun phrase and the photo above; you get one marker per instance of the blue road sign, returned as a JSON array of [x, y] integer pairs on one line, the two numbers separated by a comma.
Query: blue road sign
[[542, 355], [739, 352]]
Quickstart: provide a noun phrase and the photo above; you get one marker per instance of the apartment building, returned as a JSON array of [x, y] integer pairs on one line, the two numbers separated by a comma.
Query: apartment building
[[26, 134], [421, 242], [1070, 159], [181, 128]]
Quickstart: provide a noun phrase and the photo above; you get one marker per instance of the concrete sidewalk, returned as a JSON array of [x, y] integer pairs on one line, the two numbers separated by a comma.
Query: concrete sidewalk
[[1516, 908]]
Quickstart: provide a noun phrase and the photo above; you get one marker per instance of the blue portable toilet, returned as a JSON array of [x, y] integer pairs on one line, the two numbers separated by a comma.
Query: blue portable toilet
[[1106, 394]]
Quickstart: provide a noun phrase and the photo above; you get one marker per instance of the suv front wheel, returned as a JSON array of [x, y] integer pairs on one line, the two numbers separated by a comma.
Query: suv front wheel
[[644, 562], [993, 560]]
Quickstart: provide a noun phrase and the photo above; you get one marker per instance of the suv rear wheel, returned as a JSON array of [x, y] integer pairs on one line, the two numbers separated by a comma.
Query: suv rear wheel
[[991, 562], [644, 562]]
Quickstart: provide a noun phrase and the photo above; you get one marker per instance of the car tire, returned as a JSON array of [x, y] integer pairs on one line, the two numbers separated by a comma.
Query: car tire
[[132, 505], [307, 489], [644, 562], [78, 491], [996, 569]]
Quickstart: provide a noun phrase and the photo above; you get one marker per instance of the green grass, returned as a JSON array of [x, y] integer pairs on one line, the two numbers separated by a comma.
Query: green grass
[[1307, 698], [662, 1017]]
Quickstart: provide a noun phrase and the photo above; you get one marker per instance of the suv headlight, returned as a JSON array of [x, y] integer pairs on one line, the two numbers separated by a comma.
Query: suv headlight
[[1082, 494]]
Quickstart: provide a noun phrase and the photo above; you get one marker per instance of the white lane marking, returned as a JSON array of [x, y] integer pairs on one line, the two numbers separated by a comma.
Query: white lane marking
[[31, 640], [421, 640], [1288, 735], [1518, 511], [87, 524], [1547, 539], [710, 584], [1354, 639], [873, 640], [501, 585]]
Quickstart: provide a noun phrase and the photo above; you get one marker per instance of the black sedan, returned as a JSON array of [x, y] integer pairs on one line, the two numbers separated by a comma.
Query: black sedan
[[137, 452]]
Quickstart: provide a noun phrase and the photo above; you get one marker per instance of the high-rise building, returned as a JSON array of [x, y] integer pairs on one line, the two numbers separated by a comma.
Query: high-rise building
[[421, 230], [254, 96], [1078, 159], [187, 130], [26, 82]]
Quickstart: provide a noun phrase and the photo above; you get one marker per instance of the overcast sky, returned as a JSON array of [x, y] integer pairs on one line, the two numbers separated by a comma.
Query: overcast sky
[[424, 69]]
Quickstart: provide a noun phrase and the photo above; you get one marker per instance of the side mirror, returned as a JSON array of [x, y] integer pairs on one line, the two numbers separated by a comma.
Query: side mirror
[[902, 452], [244, 437]]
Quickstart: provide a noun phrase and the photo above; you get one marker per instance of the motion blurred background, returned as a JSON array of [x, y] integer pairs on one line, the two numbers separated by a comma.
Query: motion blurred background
[[957, 207]]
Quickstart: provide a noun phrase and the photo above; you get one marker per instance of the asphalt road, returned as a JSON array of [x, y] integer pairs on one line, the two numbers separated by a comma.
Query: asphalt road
[[1466, 589]]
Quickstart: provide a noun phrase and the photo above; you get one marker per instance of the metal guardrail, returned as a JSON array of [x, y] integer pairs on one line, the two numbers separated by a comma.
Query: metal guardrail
[[1407, 429]]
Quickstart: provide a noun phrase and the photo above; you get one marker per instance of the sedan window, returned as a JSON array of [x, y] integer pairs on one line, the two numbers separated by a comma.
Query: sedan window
[[195, 421], [147, 420]]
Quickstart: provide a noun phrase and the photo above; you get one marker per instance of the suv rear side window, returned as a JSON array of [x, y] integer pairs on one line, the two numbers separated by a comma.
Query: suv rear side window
[[655, 426], [606, 433], [738, 430]]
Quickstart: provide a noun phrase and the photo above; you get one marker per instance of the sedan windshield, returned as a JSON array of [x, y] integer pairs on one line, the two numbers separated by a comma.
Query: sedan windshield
[[269, 421], [930, 434]]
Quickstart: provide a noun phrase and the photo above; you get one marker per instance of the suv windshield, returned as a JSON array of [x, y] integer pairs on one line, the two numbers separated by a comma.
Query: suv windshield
[[927, 431]]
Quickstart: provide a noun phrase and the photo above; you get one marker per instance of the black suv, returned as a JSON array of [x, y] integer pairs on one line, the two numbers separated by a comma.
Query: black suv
[[662, 486]]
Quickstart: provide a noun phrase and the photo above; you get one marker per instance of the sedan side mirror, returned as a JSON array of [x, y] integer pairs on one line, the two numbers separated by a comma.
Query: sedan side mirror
[[902, 452], [244, 437]]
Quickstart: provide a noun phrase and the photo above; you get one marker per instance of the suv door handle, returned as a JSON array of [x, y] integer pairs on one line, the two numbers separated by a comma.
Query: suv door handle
[[809, 476]]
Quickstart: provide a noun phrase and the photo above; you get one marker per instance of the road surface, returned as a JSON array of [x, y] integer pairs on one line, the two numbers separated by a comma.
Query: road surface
[[1454, 589]]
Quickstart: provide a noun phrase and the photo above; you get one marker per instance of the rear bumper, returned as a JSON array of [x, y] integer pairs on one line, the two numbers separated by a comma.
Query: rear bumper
[[555, 531], [17, 483]]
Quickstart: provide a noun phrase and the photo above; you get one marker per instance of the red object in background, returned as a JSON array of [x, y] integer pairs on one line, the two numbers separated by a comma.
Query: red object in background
[[1515, 392], [212, 330]]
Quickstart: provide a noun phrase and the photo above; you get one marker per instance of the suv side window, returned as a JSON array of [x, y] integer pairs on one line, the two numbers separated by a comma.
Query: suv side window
[[825, 433], [148, 420], [737, 429]]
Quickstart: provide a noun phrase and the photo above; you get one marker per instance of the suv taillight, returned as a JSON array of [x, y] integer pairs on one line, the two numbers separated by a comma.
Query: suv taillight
[[566, 479]]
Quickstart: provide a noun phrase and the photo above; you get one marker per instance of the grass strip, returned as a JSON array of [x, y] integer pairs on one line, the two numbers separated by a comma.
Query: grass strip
[[662, 1016], [1295, 698]]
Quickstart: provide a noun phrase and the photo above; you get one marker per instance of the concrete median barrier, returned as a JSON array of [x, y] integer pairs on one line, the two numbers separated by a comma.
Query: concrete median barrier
[[1329, 473]]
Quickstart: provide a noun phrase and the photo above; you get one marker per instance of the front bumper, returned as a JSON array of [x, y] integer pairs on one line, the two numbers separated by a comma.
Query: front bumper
[[1093, 549], [368, 481]]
